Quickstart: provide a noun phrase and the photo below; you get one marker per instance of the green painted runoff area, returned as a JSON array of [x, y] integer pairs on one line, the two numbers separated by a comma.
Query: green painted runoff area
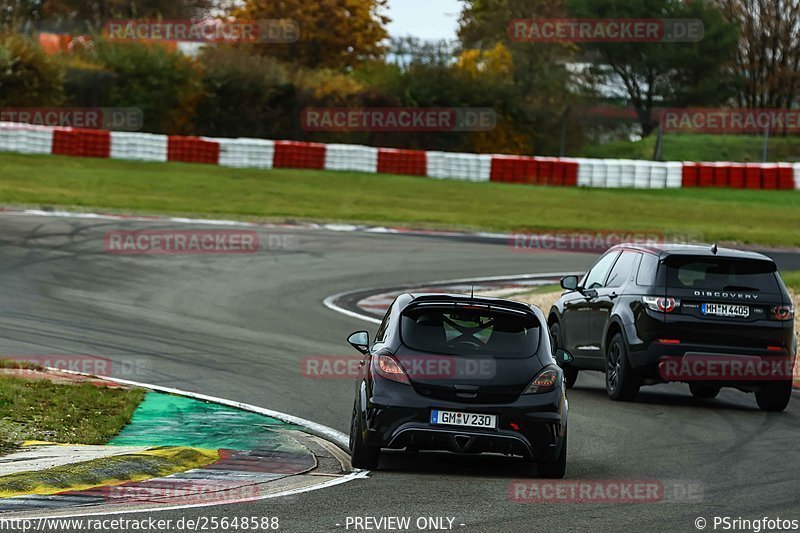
[[167, 420]]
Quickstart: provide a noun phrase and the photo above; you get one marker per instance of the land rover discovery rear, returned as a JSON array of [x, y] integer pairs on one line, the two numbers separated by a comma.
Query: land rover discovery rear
[[703, 315]]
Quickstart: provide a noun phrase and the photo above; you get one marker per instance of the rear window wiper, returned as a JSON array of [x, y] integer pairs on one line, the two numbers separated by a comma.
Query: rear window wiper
[[739, 288]]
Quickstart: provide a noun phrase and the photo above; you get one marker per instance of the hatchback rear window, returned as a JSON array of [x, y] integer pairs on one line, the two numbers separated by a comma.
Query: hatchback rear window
[[470, 332], [722, 274]]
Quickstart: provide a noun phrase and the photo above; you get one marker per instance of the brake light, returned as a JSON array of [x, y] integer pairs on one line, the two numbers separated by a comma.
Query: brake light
[[662, 305], [546, 381], [669, 341], [390, 368], [783, 312]]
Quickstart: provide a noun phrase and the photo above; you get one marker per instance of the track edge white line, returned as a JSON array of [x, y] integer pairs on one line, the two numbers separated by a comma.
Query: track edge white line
[[336, 437], [330, 301]]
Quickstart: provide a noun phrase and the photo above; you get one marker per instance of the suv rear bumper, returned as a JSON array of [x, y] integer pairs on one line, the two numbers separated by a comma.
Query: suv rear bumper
[[713, 364]]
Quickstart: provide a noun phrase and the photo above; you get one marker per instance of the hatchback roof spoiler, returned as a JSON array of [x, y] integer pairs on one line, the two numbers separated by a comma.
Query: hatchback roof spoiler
[[467, 301]]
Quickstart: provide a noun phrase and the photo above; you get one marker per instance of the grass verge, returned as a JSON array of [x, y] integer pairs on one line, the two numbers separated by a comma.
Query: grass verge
[[723, 215], [698, 147], [792, 280], [81, 413]]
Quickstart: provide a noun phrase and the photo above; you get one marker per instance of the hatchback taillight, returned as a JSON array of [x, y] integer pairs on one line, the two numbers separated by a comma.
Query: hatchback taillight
[[783, 312], [662, 305], [387, 367], [546, 381]]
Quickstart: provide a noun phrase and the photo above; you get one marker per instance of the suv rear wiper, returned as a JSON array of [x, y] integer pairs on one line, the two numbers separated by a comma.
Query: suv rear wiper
[[739, 288]]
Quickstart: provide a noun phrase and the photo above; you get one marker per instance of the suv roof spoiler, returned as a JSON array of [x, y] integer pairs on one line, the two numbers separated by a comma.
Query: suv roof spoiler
[[754, 258]]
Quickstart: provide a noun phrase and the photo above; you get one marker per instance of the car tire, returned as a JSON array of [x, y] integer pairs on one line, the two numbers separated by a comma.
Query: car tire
[[704, 392], [622, 384], [558, 468], [570, 372], [362, 455], [774, 397]]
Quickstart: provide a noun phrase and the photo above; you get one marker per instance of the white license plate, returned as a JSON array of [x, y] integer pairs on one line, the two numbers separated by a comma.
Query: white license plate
[[737, 311], [454, 418]]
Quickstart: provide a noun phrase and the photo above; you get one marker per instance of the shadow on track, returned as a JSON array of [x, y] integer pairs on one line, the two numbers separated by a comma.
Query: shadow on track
[[438, 463], [671, 395]]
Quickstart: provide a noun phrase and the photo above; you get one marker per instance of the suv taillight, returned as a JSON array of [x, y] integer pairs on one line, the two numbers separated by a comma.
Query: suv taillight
[[783, 312], [662, 305]]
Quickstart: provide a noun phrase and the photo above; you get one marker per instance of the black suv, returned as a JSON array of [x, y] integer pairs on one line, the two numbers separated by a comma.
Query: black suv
[[707, 316]]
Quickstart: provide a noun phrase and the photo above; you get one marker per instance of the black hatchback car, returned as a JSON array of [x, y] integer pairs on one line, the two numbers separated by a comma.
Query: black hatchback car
[[461, 374], [707, 316]]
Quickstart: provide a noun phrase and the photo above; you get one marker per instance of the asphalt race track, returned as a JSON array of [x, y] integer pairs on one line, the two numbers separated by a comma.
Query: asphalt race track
[[237, 326]]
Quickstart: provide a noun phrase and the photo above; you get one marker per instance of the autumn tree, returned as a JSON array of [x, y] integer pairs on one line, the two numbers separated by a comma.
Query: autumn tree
[[27, 76], [81, 15], [538, 68], [407, 50], [538, 72], [13, 12], [679, 73], [768, 52], [333, 33], [244, 94]]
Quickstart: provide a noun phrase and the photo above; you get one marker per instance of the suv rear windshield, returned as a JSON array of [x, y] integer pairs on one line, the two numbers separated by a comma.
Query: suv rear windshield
[[468, 332], [722, 274]]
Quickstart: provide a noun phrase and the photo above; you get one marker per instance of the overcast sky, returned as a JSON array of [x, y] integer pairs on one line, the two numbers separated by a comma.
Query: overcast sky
[[427, 19]]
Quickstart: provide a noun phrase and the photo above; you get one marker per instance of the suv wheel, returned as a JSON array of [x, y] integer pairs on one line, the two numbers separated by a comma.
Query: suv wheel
[[570, 372], [705, 392], [775, 396], [362, 455], [622, 384]]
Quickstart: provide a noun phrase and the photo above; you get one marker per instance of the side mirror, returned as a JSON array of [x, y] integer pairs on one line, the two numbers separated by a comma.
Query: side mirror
[[570, 283], [563, 357], [360, 341]]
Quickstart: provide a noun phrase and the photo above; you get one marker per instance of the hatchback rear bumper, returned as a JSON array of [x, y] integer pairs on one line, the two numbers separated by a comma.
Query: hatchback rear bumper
[[533, 427]]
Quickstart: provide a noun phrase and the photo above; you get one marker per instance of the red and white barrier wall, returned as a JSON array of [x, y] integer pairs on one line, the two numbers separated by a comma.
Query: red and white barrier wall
[[266, 154]]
